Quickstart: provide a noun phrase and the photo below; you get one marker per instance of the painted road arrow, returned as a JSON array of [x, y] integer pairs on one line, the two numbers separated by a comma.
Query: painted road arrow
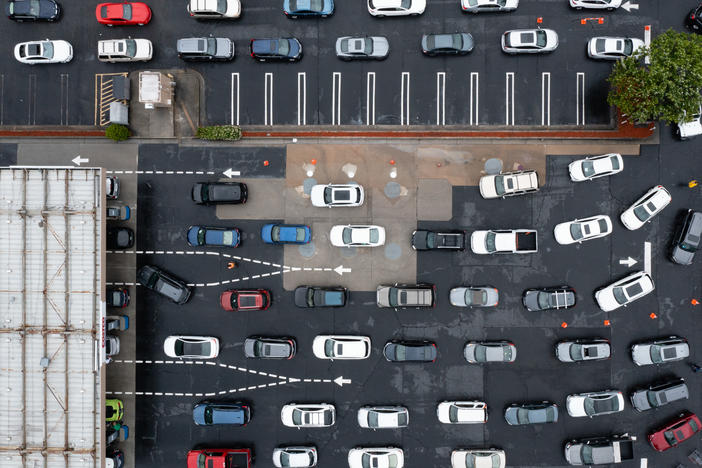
[[78, 160], [340, 381], [341, 270], [229, 173], [628, 6], [630, 262]]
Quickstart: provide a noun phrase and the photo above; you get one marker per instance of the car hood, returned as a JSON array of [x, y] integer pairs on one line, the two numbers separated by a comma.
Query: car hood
[[199, 414], [457, 296], [531, 300], [317, 195], [477, 242], [144, 48], [605, 299], [419, 239], [382, 296], [301, 296], [639, 400], [381, 47], [641, 354], [563, 352], [682, 257], [572, 454], [562, 233], [576, 405], [487, 186]]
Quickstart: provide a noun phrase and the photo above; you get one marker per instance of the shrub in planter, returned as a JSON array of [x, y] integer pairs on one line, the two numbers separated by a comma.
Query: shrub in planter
[[117, 132], [219, 132]]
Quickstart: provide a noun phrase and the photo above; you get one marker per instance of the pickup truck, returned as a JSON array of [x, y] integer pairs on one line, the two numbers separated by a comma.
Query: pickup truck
[[600, 450], [220, 458], [402, 296], [435, 240], [509, 184], [505, 241]]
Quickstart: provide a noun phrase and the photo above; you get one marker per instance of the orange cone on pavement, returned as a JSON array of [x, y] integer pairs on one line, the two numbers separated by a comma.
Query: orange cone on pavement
[[695, 302], [653, 315], [606, 323]]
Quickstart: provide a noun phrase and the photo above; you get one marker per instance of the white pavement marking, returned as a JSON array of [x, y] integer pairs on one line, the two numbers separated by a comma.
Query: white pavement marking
[[647, 40], [647, 257], [580, 98], [235, 102], [474, 106], [301, 98], [545, 98], [336, 98], [370, 98], [441, 98], [268, 100], [509, 98], [405, 99], [160, 172], [644, 463]]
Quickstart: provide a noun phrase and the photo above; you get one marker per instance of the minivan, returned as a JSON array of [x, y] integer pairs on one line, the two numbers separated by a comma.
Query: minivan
[[206, 49], [687, 239]]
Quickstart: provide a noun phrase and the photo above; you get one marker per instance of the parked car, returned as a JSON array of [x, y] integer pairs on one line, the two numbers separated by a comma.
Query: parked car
[[595, 167], [47, 51], [594, 349], [687, 238], [595, 4], [613, 48], [595, 403], [693, 20], [458, 43], [529, 41], [488, 6], [308, 415], [680, 429], [479, 352], [600, 450], [362, 48], [402, 296], [123, 13], [538, 299], [520, 414], [660, 351], [209, 193], [363, 457], [205, 49], [114, 458], [581, 230], [475, 458], [423, 239], [295, 457], [33, 10], [111, 187], [410, 351], [381, 8], [690, 127], [625, 291], [119, 238], [331, 195], [200, 236], [220, 457], [462, 412], [125, 50], [519, 241], [117, 213], [278, 49], [308, 8], [357, 236], [214, 9], [286, 234], [191, 347], [164, 284], [474, 296], [216, 413], [320, 296], [646, 207], [383, 417], [117, 297], [261, 347], [245, 299], [659, 394], [508, 184], [341, 347], [111, 345], [114, 410]]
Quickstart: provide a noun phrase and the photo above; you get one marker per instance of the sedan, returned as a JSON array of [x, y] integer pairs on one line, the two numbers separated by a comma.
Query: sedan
[[200, 236], [447, 44], [308, 415], [209, 193], [462, 412], [357, 236], [294, 457], [365, 457], [117, 297], [287, 49], [191, 347], [381, 8], [581, 230], [660, 351], [595, 166], [676, 431], [245, 299], [261, 347], [320, 296], [613, 48], [119, 238], [531, 413], [308, 8], [211, 414], [341, 347], [111, 187], [489, 6], [286, 234], [595, 4], [123, 13], [624, 291], [595, 403], [410, 351], [214, 9], [538, 299], [46, 51], [383, 417], [646, 207], [596, 349], [362, 48], [474, 296], [479, 352], [529, 41], [687, 238], [661, 394], [337, 195], [33, 10], [164, 284], [478, 458]]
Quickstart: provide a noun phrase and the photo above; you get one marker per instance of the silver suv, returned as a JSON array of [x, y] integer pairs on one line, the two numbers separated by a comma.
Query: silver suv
[[402, 296], [205, 49], [659, 395]]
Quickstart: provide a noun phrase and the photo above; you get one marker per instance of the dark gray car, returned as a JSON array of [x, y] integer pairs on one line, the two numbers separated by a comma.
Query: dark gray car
[[687, 239], [531, 413], [207, 193], [410, 351], [205, 49], [362, 48], [657, 395], [447, 44], [261, 347], [163, 283], [537, 299], [479, 352]]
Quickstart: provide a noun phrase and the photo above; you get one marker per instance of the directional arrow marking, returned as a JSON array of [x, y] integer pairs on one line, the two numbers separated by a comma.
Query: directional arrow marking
[[340, 381], [78, 160], [628, 262], [229, 173], [628, 6], [341, 270]]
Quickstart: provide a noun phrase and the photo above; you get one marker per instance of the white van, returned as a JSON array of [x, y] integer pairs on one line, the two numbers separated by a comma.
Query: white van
[[125, 50]]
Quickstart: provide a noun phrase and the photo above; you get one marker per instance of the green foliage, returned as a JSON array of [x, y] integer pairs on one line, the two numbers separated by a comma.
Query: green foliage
[[219, 132], [117, 132], [668, 88]]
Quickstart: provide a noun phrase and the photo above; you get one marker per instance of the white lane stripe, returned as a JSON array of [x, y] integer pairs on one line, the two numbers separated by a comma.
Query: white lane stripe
[[647, 257]]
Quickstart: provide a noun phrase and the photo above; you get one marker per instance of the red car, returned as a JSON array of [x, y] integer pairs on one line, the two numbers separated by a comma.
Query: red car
[[240, 299], [123, 13], [220, 458], [679, 430]]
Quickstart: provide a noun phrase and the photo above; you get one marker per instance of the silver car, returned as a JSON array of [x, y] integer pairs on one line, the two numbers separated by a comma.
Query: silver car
[[294, 457], [529, 41], [383, 417], [531, 413], [597, 349], [659, 395], [613, 48], [362, 48], [474, 296], [489, 6], [595, 403], [478, 352], [660, 351]]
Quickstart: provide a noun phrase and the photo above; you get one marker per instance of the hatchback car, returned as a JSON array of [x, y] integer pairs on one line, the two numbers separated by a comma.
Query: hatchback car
[[308, 415], [201, 236], [204, 49], [308, 8], [119, 238], [660, 351], [529, 41], [123, 13], [462, 412], [458, 43], [488, 6], [595, 167], [33, 10], [217, 413], [363, 457], [595, 403], [646, 207], [403, 296], [114, 410], [581, 230], [624, 291], [357, 236], [383, 417], [320, 296], [209, 193], [125, 50], [295, 457], [682, 428], [474, 296], [410, 351], [286, 234], [687, 239], [362, 48], [111, 345], [661, 394], [163, 283], [261, 347], [191, 347], [47, 51], [341, 347], [332, 195], [286, 49], [478, 458], [531, 413], [245, 299], [381, 8], [613, 48], [117, 213], [117, 297], [596, 349], [538, 299], [479, 352], [111, 188], [595, 4], [214, 9]]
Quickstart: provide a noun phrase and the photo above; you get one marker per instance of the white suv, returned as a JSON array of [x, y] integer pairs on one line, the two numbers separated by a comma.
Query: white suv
[[624, 291], [125, 50], [214, 9], [646, 207], [382, 8]]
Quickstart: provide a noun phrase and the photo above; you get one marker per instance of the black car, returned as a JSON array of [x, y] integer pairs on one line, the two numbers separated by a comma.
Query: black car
[[447, 44], [561, 297], [687, 239], [261, 347], [410, 351], [117, 297], [694, 19], [163, 283], [281, 49], [319, 296], [119, 238], [33, 10], [423, 239], [208, 193]]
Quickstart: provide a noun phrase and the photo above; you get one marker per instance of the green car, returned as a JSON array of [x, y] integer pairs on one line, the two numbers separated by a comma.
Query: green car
[[114, 410]]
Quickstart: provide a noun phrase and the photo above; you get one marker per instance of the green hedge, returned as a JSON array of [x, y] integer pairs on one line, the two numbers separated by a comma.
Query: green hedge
[[219, 132], [117, 132]]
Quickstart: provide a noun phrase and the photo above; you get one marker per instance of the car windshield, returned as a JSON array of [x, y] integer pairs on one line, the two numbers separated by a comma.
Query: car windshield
[[346, 235], [652, 400], [541, 38], [400, 353], [431, 240], [367, 46], [283, 47], [33, 7], [275, 233], [211, 46], [127, 11], [589, 405], [619, 295], [329, 348], [576, 231], [453, 413], [221, 6], [374, 235], [131, 47], [656, 356], [373, 419], [490, 242], [47, 50], [480, 353], [297, 417], [201, 236], [284, 459], [544, 300], [328, 195], [402, 419], [392, 297], [500, 185], [670, 437], [628, 47], [588, 168], [586, 455], [576, 352], [208, 415], [641, 213]]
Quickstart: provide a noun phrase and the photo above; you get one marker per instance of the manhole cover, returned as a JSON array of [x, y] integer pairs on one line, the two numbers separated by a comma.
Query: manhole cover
[[392, 190], [493, 166], [307, 250], [308, 184], [393, 251]]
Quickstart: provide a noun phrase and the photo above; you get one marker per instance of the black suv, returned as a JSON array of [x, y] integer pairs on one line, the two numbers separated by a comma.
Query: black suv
[[163, 283], [119, 238], [687, 240], [561, 297], [33, 10], [206, 193]]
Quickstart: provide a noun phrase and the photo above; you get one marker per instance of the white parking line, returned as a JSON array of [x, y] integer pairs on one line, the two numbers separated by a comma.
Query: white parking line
[[474, 86], [336, 98], [64, 99], [644, 463], [32, 100], [441, 98], [268, 100], [235, 103], [302, 98], [580, 98], [647, 257], [545, 98], [509, 98], [370, 98], [405, 99]]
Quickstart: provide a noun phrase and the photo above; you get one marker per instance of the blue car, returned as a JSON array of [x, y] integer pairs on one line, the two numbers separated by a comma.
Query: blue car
[[199, 236], [286, 234], [308, 8], [209, 414]]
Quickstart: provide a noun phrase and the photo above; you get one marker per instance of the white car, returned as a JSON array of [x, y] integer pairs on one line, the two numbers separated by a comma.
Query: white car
[[214, 9], [294, 457], [660, 351], [125, 50], [480, 458], [613, 48], [191, 347], [624, 291], [376, 457], [480, 6], [380, 8], [341, 347], [383, 417], [357, 236], [337, 195], [581, 230], [462, 412], [529, 41], [595, 403], [690, 128], [45, 51], [308, 415], [595, 4], [595, 166], [646, 207]]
